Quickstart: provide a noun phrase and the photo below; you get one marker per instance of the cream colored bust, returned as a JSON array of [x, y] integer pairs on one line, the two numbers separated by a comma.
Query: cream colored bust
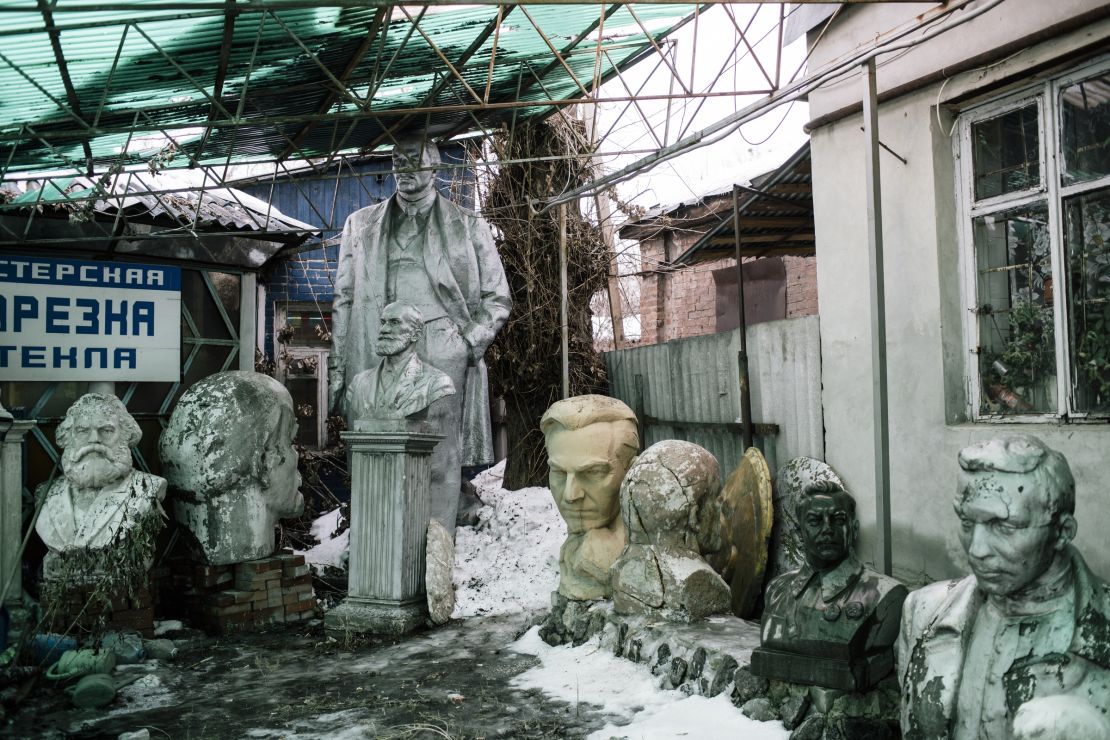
[[591, 441]]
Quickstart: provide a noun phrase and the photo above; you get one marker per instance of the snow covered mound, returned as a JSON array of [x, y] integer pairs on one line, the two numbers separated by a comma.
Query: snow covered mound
[[509, 562], [333, 549]]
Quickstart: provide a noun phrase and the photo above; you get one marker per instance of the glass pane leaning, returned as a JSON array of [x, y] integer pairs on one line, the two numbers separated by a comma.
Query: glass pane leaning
[[1087, 241], [1085, 112], [1017, 352], [1006, 153]]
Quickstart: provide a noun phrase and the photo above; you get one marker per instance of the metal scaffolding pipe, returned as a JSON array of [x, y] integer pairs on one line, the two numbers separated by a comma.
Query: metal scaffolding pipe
[[880, 420]]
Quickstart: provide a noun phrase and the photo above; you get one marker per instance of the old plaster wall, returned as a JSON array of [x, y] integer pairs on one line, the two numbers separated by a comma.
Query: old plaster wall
[[927, 351]]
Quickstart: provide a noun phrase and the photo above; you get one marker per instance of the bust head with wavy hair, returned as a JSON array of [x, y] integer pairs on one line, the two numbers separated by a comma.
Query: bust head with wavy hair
[[229, 458]]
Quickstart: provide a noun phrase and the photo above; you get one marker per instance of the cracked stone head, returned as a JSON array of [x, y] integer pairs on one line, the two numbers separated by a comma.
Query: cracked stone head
[[665, 495], [591, 441], [827, 520], [1015, 502]]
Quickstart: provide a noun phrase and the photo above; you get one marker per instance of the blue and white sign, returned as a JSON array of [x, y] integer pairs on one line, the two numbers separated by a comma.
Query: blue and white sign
[[81, 320]]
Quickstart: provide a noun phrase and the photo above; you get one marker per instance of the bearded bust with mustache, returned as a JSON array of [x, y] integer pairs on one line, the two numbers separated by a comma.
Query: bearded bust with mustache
[[400, 384], [101, 496]]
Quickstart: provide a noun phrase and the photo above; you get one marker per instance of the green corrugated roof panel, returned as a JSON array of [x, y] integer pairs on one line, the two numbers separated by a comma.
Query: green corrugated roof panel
[[169, 61]]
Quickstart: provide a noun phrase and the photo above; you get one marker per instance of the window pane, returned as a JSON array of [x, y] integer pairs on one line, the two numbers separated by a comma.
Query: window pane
[[1087, 229], [304, 392], [1017, 358], [1086, 135], [1006, 153], [308, 327]]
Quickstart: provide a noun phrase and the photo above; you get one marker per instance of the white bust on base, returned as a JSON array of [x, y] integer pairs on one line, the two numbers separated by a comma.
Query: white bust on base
[[100, 496]]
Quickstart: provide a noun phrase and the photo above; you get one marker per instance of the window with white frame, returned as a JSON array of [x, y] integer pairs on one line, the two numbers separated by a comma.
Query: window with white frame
[[1035, 182]]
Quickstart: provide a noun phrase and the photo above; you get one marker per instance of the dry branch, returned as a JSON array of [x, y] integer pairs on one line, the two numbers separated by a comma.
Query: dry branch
[[524, 361]]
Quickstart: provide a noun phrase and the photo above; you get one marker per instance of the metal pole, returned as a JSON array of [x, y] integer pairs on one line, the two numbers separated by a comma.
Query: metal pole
[[248, 320], [563, 321], [881, 421], [742, 355]]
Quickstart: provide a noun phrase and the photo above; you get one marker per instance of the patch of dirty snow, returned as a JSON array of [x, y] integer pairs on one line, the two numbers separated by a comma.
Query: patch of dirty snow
[[694, 717], [333, 549], [166, 626], [509, 561], [620, 687], [347, 724], [147, 692]]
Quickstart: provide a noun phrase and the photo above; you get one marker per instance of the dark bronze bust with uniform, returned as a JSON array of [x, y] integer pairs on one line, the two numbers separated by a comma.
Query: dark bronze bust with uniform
[[833, 621]]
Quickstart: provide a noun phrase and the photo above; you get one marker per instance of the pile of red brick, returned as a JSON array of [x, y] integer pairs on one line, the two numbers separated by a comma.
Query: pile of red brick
[[77, 613], [245, 596]]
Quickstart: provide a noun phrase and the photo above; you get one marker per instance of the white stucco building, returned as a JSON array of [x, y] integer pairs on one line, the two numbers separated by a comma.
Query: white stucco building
[[996, 225]]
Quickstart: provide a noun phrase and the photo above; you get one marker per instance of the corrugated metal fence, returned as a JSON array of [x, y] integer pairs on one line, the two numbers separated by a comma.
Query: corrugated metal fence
[[689, 389]]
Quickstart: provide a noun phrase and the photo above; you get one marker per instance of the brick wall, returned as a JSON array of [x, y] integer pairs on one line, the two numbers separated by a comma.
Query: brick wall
[[682, 303], [801, 286]]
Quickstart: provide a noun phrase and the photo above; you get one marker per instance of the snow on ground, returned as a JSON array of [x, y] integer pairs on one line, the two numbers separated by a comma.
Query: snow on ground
[[148, 692], [591, 675], [165, 626], [333, 549], [509, 562]]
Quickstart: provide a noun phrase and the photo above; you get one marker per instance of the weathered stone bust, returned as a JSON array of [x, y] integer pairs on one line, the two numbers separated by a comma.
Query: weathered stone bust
[[400, 384], [591, 440], [101, 503], [833, 622], [666, 504], [1031, 621], [228, 454]]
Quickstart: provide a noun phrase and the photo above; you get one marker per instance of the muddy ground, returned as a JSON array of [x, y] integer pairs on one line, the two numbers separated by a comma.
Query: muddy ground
[[297, 683]]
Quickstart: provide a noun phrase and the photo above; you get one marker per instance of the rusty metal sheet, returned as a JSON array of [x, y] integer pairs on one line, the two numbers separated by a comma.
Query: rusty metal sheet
[[747, 517]]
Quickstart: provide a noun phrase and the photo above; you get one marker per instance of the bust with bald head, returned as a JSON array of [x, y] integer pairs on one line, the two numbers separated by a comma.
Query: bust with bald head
[[228, 454], [399, 385], [420, 248]]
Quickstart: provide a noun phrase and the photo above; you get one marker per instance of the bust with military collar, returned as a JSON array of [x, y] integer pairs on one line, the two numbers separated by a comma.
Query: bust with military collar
[[833, 622], [1031, 622]]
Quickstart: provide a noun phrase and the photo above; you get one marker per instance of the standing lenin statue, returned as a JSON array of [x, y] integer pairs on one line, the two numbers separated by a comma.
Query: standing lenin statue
[[419, 247]]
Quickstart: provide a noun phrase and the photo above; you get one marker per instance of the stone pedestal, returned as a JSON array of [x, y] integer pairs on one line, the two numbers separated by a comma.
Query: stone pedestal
[[12, 433], [390, 508]]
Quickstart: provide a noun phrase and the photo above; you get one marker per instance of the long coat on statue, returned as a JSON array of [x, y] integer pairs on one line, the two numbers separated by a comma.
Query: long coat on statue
[[467, 276]]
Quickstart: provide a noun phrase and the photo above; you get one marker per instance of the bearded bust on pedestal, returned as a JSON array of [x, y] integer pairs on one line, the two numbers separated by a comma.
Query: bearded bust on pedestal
[[102, 505]]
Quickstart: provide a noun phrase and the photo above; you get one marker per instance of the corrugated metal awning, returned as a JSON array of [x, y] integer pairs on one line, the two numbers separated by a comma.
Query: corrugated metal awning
[[89, 84], [776, 216]]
